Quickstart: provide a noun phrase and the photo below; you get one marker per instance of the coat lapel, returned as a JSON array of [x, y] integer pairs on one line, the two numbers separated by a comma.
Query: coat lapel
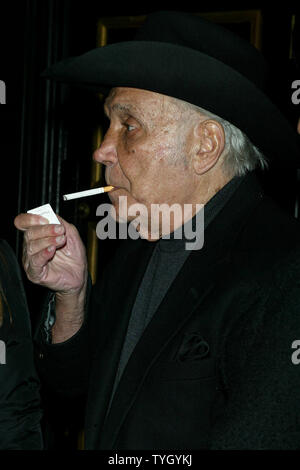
[[193, 284], [135, 255]]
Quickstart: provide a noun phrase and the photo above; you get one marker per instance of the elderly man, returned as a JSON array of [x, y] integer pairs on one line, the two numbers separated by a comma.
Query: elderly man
[[177, 348]]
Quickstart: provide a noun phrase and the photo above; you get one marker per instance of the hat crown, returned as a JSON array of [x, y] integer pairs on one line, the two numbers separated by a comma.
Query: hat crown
[[194, 32]]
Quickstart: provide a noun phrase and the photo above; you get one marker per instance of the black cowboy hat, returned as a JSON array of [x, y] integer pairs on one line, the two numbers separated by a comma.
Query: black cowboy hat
[[182, 55]]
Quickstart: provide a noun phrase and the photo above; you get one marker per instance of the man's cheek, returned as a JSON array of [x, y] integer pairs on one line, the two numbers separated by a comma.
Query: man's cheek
[[115, 175], [127, 169]]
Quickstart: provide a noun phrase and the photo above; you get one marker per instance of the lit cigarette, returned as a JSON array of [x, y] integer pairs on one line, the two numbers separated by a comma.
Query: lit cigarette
[[88, 192]]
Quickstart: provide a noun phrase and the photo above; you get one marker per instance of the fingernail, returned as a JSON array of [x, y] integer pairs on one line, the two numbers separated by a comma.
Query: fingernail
[[43, 222], [59, 239], [58, 229], [50, 248]]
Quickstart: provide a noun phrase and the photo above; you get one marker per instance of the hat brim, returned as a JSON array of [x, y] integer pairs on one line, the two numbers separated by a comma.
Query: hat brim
[[191, 76]]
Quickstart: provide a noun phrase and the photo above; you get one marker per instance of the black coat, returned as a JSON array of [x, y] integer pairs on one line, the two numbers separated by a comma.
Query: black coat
[[214, 368], [20, 407]]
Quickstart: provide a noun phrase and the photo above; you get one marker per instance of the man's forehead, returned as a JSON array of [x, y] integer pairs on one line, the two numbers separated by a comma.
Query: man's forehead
[[122, 99]]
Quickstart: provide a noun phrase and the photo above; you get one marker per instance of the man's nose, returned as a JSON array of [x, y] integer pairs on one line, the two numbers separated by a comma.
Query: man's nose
[[107, 152]]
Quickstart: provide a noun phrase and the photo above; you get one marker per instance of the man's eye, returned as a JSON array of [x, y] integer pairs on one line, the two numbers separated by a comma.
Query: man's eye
[[130, 127]]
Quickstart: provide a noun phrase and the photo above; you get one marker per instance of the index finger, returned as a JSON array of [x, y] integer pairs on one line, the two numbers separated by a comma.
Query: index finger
[[25, 221]]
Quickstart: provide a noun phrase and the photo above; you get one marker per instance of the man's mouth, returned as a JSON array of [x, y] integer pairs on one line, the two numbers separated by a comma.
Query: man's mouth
[[114, 191], [115, 187]]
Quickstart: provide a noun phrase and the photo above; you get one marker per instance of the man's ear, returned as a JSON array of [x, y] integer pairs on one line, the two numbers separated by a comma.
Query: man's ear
[[209, 144]]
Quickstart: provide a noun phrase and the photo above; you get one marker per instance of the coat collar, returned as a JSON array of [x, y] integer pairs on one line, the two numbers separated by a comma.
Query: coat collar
[[193, 284]]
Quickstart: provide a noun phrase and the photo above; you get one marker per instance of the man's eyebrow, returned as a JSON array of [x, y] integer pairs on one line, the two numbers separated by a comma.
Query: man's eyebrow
[[121, 108]]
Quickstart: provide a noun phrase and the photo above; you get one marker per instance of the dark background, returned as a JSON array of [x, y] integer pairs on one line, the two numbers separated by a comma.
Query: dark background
[[46, 129]]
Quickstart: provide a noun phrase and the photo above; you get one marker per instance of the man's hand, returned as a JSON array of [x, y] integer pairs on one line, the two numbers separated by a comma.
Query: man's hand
[[54, 256]]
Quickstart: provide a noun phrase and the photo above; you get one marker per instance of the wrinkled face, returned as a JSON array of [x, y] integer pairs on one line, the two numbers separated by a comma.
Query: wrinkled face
[[145, 149]]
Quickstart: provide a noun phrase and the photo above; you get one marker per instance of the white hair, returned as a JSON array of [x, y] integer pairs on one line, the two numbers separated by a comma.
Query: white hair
[[240, 154]]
